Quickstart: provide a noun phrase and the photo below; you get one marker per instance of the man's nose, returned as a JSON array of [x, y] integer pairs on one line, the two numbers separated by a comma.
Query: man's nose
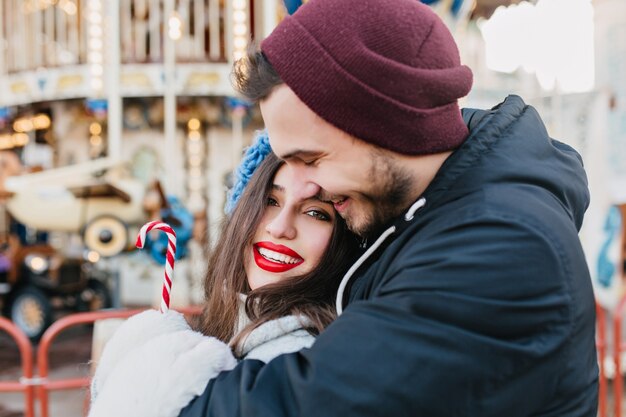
[[282, 226], [303, 186]]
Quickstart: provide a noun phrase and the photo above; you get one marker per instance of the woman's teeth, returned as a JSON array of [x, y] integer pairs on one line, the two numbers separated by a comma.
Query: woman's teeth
[[278, 257]]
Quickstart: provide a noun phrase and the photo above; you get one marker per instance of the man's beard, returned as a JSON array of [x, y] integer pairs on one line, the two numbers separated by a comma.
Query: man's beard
[[388, 197]]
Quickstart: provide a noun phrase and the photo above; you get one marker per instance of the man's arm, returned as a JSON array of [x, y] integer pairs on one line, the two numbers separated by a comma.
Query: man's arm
[[485, 317]]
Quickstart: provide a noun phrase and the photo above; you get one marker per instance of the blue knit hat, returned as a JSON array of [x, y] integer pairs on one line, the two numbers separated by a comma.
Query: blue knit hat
[[254, 155]]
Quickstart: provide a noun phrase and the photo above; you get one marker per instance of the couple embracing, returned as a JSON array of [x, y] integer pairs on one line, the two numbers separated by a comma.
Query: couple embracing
[[385, 253]]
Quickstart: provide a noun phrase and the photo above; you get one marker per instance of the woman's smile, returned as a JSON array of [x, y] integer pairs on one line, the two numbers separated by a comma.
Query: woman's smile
[[275, 258]]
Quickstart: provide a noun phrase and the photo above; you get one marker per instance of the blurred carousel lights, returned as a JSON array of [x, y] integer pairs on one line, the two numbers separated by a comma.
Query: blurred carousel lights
[[193, 135], [94, 46], [68, 6], [195, 160], [240, 28], [39, 121], [95, 139], [194, 147], [15, 140], [175, 26]]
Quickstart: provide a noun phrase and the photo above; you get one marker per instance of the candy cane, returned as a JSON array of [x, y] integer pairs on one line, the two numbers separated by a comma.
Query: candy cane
[[169, 262]]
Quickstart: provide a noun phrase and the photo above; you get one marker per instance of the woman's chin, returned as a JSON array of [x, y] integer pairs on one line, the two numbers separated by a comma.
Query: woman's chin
[[258, 279]]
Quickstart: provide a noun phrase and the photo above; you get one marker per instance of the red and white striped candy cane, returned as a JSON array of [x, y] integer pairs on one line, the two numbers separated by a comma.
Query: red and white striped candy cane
[[170, 256]]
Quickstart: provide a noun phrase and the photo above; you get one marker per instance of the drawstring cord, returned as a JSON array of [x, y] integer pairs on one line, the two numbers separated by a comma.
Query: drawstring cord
[[356, 266], [416, 206], [346, 278]]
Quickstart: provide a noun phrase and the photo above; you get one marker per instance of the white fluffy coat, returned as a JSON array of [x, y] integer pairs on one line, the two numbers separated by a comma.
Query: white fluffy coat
[[155, 364]]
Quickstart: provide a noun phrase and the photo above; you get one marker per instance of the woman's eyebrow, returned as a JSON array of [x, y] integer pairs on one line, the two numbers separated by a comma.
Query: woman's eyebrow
[[281, 189]]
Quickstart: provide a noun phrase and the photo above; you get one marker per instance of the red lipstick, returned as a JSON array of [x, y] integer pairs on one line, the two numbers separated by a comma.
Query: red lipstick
[[274, 266]]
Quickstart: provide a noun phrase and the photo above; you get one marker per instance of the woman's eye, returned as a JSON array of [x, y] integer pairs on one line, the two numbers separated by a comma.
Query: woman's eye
[[272, 202], [317, 214]]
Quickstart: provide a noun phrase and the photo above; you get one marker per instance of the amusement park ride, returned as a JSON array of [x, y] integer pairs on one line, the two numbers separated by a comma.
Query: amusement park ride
[[90, 201], [110, 55]]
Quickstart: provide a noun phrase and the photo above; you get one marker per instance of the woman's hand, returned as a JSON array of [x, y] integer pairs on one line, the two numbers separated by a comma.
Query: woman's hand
[[154, 366]]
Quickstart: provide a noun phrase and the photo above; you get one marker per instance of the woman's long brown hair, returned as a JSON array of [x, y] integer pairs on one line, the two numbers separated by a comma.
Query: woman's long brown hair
[[311, 295]]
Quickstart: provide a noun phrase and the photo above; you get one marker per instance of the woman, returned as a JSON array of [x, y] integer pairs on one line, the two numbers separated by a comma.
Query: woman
[[270, 288], [286, 255]]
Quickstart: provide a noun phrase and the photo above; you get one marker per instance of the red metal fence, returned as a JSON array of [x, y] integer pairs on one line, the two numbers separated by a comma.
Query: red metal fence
[[38, 388], [25, 383], [46, 385], [618, 347]]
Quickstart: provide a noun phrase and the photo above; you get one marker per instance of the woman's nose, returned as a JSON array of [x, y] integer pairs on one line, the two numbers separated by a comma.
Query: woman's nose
[[282, 226]]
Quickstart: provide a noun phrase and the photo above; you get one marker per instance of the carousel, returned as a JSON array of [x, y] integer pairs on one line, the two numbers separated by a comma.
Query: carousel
[[115, 112]]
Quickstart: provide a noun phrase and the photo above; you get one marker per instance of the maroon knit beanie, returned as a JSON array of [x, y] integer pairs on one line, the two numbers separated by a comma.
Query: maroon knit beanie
[[385, 71]]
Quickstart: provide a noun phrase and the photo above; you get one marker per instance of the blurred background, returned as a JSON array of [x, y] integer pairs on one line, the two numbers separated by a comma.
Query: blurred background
[[117, 112]]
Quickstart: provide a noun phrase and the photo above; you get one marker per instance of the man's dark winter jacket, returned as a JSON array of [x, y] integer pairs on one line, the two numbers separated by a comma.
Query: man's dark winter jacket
[[480, 305]]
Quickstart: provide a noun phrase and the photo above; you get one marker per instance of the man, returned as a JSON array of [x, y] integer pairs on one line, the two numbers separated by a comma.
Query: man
[[473, 297], [476, 301]]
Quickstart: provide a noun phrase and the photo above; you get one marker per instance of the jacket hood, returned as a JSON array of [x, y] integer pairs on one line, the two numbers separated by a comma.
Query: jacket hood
[[526, 158], [508, 150]]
